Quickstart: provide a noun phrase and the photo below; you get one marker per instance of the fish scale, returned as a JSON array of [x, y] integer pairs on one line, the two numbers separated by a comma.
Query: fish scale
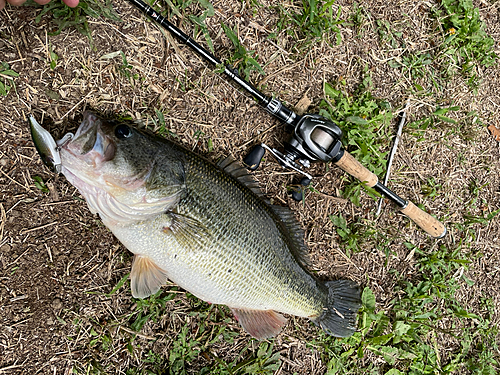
[[247, 249], [239, 248]]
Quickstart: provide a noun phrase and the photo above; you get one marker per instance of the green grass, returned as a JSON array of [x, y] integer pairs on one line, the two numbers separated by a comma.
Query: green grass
[[63, 17], [188, 9], [7, 76], [404, 336], [244, 60], [401, 335], [352, 235], [40, 185], [364, 121], [315, 21], [461, 46], [466, 42]]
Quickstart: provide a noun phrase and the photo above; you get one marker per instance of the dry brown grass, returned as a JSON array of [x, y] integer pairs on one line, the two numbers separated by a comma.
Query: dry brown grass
[[54, 254]]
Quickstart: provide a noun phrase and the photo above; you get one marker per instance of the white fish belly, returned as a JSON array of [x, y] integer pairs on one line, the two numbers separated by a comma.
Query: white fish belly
[[213, 276]]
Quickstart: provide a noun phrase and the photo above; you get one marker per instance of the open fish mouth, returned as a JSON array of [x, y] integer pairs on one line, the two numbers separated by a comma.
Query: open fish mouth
[[90, 141]]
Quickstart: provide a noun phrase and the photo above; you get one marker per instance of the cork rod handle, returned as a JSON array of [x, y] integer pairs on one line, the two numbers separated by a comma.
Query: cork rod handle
[[425, 221]]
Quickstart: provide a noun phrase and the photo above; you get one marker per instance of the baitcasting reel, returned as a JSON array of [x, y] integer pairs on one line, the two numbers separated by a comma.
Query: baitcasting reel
[[313, 138]]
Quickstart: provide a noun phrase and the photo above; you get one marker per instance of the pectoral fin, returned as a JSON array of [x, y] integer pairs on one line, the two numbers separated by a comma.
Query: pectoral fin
[[261, 324], [146, 277], [188, 231]]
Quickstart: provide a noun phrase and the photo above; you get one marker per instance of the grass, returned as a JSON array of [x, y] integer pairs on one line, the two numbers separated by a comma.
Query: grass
[[40, 185], [187, 9], [403, 336], [125, 69], [63, 17], [244, 60], [315, 21], [7, 76], [461, 47], [365, 122], [400, 335]]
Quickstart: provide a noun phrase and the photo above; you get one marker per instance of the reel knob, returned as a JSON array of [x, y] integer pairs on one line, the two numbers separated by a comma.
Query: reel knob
[[254, 157], [298, 194]]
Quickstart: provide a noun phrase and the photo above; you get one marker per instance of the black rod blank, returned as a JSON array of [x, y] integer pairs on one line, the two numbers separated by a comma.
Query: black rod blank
[[273, 106]]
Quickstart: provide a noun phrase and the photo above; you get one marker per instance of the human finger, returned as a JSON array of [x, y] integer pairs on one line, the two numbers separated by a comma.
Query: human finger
[[16, 2], [42, 2], [71, 3], [2, 4]]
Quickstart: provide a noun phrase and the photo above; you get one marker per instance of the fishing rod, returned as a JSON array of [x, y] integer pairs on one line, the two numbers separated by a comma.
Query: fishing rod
[[313, 138]]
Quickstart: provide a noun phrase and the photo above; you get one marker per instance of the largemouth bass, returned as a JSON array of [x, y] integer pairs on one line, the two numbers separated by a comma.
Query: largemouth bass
[[205, 227]]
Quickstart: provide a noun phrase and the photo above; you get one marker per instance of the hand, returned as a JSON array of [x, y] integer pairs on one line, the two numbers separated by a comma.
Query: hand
[[70, 3]]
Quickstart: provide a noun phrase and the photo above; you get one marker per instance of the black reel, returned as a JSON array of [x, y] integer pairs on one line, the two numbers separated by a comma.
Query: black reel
[[313, 139]]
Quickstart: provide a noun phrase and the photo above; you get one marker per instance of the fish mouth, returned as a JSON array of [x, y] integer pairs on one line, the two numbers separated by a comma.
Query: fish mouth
[[90, 142]]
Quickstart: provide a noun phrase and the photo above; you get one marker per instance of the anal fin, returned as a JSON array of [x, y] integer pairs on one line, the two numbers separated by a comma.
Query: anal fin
[[146, 277], [261, 324]]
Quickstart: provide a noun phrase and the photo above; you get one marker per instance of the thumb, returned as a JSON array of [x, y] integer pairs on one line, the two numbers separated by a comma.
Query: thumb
[[70, 3]]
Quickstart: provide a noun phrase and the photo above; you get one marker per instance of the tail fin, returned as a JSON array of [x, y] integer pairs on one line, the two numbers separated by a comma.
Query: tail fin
[[344, 301]]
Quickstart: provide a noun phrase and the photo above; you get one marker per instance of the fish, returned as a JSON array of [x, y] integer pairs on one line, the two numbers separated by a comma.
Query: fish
[[206, 227]]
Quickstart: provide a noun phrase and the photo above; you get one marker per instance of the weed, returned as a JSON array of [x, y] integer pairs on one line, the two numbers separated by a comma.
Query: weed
[[8, 76], [53, 57], [179, 8], [199, 22], [244, 60], [403, 335], [484, 219], [149, 309], [100, 339], [431, 188], [185, 349], [160, 126], [315, 21], [431, 121], [125, 69], [120, 283], [264, 361], [348, 233], [365, 122], [357, 18], [462, 46], [387, 33], [474, 190], [415, 65], [64, 16], [466, 42], [154, 364], [40, 185]]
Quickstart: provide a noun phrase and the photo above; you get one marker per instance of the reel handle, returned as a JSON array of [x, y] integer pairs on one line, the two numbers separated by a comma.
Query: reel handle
[[425, 221]]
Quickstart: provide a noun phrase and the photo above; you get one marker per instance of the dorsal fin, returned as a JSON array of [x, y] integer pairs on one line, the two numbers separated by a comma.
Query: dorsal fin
[[235, 169], [299, 248]]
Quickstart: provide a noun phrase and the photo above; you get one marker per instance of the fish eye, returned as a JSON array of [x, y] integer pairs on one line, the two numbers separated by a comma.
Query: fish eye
[[122, 131]]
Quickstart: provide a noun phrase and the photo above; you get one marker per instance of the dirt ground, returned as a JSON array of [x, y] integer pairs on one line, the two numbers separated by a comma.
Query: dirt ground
[[58, 262]]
